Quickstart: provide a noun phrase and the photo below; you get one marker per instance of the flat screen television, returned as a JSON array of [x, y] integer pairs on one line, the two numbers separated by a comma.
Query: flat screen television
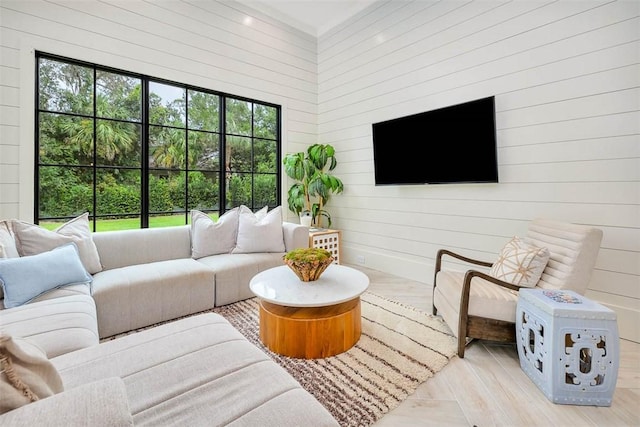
[[454, 144]]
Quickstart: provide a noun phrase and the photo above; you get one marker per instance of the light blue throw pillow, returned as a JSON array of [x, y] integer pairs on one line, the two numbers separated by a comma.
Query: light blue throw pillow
[[26, 277]]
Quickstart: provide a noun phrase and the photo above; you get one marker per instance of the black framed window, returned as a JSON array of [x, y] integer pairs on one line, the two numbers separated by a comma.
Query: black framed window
[[137, 151]]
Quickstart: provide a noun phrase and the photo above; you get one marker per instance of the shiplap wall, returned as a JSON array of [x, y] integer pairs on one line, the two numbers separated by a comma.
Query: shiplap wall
[[566, 77], [200, 42]]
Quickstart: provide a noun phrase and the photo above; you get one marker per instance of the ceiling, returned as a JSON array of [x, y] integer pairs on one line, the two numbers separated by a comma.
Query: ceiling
[[315, 17]]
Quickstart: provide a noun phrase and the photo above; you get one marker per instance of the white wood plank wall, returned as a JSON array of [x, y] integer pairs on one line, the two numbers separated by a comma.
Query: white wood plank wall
[[566, 77], [205, 43]]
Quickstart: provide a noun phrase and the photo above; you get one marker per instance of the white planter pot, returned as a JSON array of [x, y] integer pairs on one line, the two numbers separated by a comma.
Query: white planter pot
[[306, 220]]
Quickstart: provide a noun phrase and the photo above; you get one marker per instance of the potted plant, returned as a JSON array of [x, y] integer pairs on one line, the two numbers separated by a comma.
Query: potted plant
[[315, 184], [308, 263]]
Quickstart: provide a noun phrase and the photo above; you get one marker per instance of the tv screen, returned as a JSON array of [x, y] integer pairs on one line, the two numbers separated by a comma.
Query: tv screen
[[448, 145]]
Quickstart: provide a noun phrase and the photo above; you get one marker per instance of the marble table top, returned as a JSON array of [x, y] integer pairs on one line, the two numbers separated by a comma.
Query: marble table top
[[336, 285]]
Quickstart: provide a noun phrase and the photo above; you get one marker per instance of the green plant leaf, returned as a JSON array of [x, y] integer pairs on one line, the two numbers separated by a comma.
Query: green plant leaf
[[315, 185]]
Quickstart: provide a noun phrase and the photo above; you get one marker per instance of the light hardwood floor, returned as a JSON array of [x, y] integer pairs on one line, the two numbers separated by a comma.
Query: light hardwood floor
[[488, 388]]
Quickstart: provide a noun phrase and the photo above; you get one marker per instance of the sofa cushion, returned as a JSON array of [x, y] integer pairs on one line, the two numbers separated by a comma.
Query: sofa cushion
[[136, 296], [27, 373], [24, 278], [520, 263], [125, 248], [196, 371], [258, 233], [32, 239], [209, 237], [233, 272], [100, 403], [58, 326]]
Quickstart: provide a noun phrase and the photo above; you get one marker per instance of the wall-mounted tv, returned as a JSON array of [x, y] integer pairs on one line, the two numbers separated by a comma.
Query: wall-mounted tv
[[454, 144]]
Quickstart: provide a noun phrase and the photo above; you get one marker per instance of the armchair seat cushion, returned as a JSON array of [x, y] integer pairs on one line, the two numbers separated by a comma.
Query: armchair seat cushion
[[485, 299]]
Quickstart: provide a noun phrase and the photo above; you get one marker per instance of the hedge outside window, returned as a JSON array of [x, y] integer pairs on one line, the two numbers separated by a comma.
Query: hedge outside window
[[135, 151]]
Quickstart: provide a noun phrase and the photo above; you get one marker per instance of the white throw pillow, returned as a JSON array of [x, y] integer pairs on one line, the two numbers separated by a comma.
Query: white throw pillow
[[209, 237], [7, 244], [261, 213], [520, 263], [7, 241], [258, 233], [32, 239]]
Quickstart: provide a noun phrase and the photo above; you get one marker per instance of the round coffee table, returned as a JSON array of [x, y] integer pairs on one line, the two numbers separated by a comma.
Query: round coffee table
[[310, 319]]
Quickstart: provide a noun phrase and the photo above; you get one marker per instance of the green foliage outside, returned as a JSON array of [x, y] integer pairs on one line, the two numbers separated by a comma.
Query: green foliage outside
[[129, 223], [181, 121]]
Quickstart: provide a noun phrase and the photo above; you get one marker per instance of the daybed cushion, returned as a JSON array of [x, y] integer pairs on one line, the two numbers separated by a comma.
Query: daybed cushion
[[233, 272], [196, 371], [136, 296], [58, 326], [98, 404]]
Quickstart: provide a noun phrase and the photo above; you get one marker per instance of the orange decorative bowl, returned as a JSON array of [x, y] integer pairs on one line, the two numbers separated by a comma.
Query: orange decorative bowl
[[308, 263]]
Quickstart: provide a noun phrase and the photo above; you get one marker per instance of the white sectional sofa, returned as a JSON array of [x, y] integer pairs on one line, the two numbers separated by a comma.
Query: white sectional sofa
[[194, 371], [149, 276], [198, 371]]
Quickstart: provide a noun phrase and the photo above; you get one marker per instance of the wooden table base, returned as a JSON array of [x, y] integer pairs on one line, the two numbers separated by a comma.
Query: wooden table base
[[310, 332]]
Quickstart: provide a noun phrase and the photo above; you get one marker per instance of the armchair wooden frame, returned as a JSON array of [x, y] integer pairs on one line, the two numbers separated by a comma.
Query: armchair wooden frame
[[474, 326]]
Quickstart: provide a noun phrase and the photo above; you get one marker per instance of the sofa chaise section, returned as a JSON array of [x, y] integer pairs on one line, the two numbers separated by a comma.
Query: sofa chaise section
[[233, 272], [58, 325], [137, 296], [196, 371], [148, 277]]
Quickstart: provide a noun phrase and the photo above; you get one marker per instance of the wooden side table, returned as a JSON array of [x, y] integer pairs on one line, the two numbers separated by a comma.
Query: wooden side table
[[310, 319], [326, 239]]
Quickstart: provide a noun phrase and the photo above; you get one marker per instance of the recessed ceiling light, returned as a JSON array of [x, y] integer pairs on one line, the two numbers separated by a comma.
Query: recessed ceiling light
[[248, 20]]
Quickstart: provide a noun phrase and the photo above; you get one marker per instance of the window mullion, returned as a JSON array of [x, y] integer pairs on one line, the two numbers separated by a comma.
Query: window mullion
[[252, 158], [94, 170], [186, 155], [222, 188], [144, 157], [36, 181]]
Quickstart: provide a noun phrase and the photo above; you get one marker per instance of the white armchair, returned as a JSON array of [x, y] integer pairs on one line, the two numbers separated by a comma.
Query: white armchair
[[477, 305]]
